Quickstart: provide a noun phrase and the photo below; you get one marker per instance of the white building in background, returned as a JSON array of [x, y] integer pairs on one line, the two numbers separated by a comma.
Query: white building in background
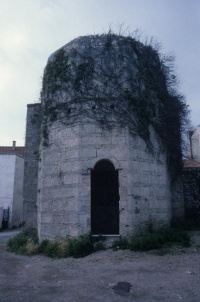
[[11, 185]]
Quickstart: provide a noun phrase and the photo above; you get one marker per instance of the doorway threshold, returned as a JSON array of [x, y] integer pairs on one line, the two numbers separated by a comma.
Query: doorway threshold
[[108, 239], [107, 235]]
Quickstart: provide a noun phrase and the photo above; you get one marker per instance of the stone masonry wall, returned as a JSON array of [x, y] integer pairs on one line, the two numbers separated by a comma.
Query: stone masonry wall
[[92, 84], [31, 158], [18, 191], [59, 173], [191, 177], [64, 198], [98, 144], [149, 195]]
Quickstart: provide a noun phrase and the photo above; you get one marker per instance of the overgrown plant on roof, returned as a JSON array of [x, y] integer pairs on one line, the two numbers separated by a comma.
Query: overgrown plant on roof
[[114, 79]]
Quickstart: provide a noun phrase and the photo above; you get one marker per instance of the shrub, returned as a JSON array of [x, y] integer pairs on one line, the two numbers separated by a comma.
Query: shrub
[[81, 246], [174, 235], [145, 242], [157, 239], [14, 227], [192, 222], [55, 248], [25, 243], [121, 244], [99, 246], [98, 242], [31, 249], [74, 247]]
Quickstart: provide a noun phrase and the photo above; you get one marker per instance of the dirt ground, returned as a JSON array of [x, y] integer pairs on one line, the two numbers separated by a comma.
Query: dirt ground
[[103, 276]]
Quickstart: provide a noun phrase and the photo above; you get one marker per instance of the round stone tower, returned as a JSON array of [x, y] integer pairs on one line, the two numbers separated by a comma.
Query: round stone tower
[[103, 162]]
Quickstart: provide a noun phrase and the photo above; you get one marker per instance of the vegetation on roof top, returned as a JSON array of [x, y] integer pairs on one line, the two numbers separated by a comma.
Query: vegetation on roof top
[[124, 81]]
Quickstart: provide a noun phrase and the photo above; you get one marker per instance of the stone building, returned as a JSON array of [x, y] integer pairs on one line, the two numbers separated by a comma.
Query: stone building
[[193, 144], [11, 185], [191, 176], [95, 160]]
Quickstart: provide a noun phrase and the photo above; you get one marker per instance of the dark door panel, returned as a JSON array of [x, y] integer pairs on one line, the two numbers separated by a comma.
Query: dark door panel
[[104, 201]]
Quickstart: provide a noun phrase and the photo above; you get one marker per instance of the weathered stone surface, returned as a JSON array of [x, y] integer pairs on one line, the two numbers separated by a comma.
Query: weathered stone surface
[[63, 175], [144, 188], [191, 177], [31, 159], [193, 144]]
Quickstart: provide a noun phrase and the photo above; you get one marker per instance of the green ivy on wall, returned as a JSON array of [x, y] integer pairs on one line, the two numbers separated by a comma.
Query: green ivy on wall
[[113, 79]]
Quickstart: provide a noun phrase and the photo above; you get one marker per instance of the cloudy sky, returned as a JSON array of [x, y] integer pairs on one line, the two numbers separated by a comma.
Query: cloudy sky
[[30, 30]]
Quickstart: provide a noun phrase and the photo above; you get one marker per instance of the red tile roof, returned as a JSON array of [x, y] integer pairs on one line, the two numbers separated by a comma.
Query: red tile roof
[[12, 150], [191, 163]]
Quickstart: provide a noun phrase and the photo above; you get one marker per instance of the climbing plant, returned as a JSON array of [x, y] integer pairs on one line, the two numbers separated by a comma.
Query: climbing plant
[[115, 79]]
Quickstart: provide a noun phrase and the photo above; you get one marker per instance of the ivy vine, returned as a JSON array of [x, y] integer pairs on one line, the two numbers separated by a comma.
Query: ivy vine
[[114, 79]]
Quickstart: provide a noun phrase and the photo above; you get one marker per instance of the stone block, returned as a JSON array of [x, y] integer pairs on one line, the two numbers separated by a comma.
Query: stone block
[[46, 217], [83, 220], [71, 178], [118, 140], [70, 165], [88, 129], [119, 152], [104, 153], [86, 180], [89, 153], [72, 153]]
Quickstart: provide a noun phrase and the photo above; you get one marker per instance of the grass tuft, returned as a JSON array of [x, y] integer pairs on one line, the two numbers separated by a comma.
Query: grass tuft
[[25, 243], [120, 244], [55, 248], [151, 240], [81, 246]]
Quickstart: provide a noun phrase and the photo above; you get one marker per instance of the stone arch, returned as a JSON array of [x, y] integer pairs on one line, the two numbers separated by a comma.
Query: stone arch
[[116, 163], [104, 164]]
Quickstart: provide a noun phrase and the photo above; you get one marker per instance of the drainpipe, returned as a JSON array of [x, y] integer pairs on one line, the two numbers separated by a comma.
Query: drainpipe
[[190, 139]]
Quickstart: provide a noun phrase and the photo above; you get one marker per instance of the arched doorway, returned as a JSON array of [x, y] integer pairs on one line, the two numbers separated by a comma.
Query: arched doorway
[[104, 199]]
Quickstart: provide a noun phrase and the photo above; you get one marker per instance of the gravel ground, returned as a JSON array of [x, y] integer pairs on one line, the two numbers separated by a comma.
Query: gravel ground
[[103, 276]]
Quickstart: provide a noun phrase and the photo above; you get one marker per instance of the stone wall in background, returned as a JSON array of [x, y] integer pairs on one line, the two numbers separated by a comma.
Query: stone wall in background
[[31, 158], [18, 191], [191, 178]]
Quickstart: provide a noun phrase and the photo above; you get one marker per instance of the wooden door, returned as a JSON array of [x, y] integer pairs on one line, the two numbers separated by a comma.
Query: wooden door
[[104, 199]]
